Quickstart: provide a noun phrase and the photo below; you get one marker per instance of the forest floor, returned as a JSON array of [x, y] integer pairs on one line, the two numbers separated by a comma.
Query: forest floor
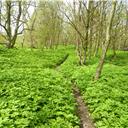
[[81, 108], [48, 89]]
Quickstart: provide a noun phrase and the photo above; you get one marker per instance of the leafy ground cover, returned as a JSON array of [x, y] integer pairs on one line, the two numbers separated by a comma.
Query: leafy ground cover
[[107, 98], [27, 58], [32, 95]]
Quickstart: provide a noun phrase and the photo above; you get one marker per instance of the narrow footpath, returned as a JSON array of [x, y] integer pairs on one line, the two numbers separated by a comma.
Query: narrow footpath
[[81, 108]]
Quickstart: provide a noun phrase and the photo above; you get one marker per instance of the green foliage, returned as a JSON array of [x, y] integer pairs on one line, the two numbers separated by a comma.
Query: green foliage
[[33, 95], [14, 58], [107, 98]]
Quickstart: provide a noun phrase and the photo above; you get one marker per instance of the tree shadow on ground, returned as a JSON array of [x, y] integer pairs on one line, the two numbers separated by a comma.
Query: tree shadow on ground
[[121, 59]]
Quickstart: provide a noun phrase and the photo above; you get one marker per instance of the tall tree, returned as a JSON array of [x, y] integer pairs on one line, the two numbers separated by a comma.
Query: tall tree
[[12, 20], [48, 24], [107, 41]]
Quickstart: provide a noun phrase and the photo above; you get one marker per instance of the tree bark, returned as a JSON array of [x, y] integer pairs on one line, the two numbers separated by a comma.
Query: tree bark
[[107, 41], [86, 41]]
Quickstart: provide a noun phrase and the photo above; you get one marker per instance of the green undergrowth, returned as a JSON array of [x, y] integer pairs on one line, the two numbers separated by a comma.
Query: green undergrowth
[[35, 93], [69, 66], [106, 98], [27, 58], [32, 95], [120, 59]]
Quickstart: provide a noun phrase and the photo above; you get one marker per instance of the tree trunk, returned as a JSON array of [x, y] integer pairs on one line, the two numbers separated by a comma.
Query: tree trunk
[[85, 45], [107, 42], [79, 51]]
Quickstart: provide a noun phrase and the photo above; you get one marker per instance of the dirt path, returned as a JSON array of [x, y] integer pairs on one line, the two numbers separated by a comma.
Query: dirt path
[[82, 110]]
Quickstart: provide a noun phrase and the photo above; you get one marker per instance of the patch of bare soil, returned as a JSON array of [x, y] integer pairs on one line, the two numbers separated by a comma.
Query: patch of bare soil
[[82, 110]]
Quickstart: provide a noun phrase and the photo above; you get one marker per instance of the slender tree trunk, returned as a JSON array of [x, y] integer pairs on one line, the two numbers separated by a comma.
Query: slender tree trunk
[[96, 49], [85, 44], [107, 41], [91, 31], [12, 37], [114, 50], [100, 34], [79, 51], [78, 40], [114, 44], [9, 31]]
